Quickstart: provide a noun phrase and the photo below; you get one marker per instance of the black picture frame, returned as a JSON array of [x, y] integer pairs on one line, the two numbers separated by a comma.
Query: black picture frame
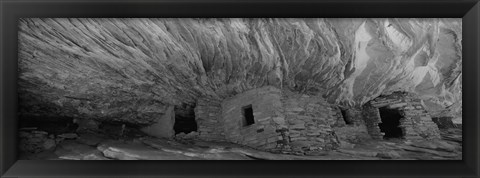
[[12, 10]]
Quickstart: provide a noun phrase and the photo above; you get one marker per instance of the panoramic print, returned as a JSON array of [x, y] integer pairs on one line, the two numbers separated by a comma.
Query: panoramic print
[[240, 89]]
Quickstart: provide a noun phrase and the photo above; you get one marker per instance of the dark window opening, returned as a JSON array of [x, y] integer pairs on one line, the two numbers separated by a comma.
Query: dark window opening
[[248, 115], [390, 123], [185, 119], [346, 118]]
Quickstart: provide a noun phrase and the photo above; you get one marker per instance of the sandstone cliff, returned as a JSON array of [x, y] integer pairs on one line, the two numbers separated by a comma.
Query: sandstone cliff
[[132, 69]]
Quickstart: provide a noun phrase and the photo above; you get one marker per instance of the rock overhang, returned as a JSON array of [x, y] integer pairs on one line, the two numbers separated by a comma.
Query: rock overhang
[[132, 69]]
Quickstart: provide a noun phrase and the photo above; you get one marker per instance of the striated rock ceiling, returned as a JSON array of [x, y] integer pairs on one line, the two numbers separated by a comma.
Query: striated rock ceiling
[[131, 69]]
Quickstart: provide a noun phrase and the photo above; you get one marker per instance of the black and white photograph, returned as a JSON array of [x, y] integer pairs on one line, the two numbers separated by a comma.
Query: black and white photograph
[[240, 88]]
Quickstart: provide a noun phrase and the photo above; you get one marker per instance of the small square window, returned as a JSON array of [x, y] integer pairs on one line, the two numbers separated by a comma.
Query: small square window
[[248, 115]]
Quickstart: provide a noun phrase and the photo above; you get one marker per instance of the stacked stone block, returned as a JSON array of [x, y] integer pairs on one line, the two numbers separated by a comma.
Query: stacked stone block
[[353, 133], [419, 120], [295, 123], [309, 121], [416, 122], [36, 141], [372, 119], [285, 122], [269, 127], [208, 115]]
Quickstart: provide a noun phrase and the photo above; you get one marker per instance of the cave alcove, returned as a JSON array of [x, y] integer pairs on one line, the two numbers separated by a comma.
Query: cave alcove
[[390, 124], [50, 124]]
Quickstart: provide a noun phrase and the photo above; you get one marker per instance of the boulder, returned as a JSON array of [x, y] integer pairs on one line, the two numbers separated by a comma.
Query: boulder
[[389, 155], [163, 126], [49, 144], [122, 151], [444, 122], [191, 135], [68, 136], [72, 150]]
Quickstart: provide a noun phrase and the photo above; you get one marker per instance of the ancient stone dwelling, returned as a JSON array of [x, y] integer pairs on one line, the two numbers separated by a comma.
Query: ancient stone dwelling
[[399, 115], [278, 120]]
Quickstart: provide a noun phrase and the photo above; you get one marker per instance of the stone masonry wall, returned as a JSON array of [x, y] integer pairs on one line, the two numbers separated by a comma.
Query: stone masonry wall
[[309, 121], [285, 122], [353, 133], [372, 118], [267, 111], [416, 122], [208, 115], [337, 113]]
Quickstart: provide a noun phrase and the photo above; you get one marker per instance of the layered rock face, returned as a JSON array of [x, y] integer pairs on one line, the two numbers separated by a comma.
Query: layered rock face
[[133, 70]]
